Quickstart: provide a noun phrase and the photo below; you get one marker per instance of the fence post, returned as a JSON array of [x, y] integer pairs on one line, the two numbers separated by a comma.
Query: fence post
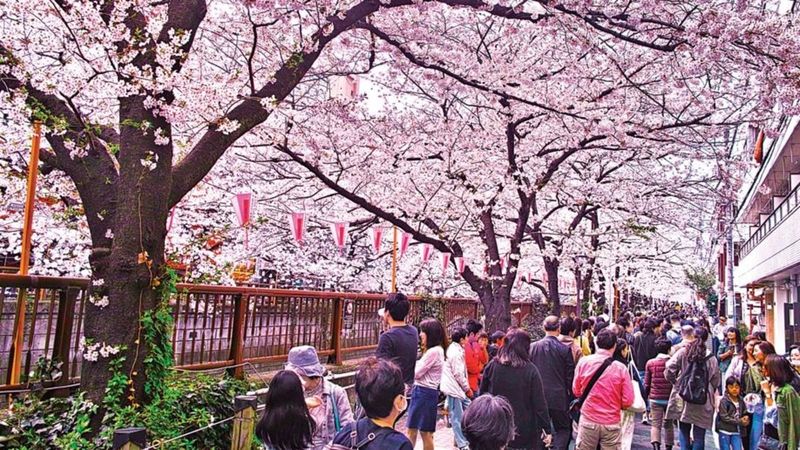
[[336, 337], [237, 336], [17, 341], [244, 421], [64, 322], [129, 439]]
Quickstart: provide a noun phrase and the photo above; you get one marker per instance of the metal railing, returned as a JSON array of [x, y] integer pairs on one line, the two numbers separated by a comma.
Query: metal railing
[[784, 209], [215, 326]]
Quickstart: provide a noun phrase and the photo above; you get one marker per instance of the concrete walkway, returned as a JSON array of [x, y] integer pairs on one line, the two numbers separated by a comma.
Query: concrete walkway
[[443, 438]]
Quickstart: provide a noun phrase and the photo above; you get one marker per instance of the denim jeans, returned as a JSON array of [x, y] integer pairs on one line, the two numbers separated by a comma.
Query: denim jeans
[[730, 441], [757, 427], [692, 437], [456, 406]]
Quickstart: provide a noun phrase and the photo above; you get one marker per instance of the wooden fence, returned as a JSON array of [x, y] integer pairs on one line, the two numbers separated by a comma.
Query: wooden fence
[[215, 326]]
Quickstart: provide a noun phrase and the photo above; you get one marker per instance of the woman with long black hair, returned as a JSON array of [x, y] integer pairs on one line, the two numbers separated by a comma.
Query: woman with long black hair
[[427, 377], [512, 375], [695, 419], [729, 348], [286, 423]]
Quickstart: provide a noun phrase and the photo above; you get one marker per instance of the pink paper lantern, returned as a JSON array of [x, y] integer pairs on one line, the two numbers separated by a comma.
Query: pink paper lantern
[[377, 237], [339, 230], [242, 203], [297, 222], [405, 240], [426, 253], [460, 264], [445, 262]]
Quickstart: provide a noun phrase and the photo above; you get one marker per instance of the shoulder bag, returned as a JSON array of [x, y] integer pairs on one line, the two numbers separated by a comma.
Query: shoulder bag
[[575, 405]]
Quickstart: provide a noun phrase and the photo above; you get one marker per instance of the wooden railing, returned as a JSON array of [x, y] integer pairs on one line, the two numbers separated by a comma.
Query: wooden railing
[[215, 326]]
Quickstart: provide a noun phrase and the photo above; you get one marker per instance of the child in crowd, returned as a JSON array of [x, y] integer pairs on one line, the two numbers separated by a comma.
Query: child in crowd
[[732, 418], [496, 341]]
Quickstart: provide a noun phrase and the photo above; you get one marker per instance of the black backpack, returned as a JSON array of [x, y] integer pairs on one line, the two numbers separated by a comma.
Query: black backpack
[[693, 383]]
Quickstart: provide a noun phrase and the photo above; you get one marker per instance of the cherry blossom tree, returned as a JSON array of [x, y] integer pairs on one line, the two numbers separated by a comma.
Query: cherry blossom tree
[[140, 100]]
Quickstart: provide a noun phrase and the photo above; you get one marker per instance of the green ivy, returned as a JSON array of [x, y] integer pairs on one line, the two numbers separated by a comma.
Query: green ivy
[[188, 402], [157, 332]]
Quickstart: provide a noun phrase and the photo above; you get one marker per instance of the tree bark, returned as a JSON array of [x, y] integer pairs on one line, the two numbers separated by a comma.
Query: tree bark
[[129, 268], [551, 267], [497, 309]]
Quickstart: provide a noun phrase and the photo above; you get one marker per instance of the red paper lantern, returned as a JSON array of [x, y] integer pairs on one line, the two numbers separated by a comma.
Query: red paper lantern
[[339, 230], [297, 223], [242, 204], [426, 253], [377, 237], [405, 239], [460, 263]]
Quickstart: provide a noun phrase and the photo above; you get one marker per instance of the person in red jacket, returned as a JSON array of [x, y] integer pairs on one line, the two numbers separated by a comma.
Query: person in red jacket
[[657, 390], [475, 354]]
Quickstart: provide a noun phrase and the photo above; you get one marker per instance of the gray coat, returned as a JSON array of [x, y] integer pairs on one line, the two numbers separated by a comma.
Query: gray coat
[[700, 415], [326, 431]]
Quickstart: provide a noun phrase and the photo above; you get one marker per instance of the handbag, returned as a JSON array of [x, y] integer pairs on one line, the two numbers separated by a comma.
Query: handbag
[[770, 443], [638, 406], [575, 406]]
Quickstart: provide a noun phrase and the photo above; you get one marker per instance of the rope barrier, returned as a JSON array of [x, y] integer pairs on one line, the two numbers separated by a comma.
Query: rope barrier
[[28, 390], [159, 443]]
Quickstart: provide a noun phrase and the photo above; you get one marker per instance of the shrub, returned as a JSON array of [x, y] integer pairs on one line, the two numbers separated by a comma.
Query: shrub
[[188, 402]]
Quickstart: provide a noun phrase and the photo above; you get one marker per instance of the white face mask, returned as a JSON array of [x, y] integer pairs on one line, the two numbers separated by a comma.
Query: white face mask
[[404, 403]]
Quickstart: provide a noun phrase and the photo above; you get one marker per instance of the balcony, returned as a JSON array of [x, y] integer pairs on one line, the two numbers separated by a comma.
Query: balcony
[[786, 208]]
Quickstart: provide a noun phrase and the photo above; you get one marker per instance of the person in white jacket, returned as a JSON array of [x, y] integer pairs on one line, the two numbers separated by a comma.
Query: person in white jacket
[[455, 384]]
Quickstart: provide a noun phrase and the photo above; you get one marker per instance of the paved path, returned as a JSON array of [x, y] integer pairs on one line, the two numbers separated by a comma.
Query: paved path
[[443, 438]]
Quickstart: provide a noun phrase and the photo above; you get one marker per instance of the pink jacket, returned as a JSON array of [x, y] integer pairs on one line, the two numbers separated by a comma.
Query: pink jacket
[[612, 393]]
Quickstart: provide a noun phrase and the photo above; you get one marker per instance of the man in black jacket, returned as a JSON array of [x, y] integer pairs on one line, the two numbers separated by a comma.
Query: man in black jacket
[[557, 368]]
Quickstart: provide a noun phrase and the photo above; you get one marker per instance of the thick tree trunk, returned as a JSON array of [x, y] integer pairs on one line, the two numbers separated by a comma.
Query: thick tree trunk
[[497, 309], [127, 272], [551, 267]]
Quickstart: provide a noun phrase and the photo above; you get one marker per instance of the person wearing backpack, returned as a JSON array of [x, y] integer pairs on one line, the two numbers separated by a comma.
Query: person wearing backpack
[[695, 375], [381, 392]]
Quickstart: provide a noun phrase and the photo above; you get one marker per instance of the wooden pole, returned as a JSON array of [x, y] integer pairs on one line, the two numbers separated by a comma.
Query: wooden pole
[[30, 199], [244, 422], [394, 260], [129, 439], [15, 366]]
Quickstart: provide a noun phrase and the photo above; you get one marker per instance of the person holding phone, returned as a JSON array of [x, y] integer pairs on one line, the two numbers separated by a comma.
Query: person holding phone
[[729, 347]]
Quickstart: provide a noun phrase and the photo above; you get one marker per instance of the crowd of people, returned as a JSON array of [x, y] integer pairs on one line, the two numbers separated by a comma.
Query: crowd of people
[[586, 381]]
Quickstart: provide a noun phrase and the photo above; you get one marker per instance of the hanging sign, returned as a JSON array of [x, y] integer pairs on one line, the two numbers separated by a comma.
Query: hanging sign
[[349, 314]]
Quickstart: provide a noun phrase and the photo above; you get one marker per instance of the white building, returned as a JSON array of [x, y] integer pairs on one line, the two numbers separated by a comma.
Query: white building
[[767, 269]]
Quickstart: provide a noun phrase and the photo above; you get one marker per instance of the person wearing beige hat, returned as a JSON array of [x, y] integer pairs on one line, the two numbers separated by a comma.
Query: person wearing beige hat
[[327, 402]]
